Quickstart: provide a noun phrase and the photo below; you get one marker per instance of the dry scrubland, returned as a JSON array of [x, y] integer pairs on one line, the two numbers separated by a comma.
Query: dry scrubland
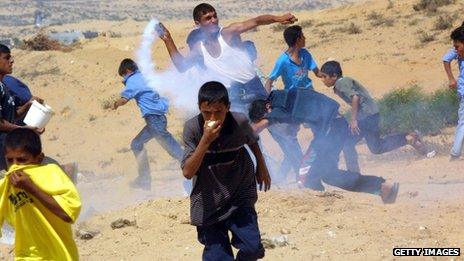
[[384, 44]]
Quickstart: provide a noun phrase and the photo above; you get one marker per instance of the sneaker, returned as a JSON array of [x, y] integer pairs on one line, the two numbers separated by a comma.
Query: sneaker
[[389, 192], [141, 183], [454, 158]]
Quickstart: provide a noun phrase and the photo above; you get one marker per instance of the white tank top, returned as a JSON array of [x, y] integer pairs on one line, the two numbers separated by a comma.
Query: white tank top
[[232, 63]]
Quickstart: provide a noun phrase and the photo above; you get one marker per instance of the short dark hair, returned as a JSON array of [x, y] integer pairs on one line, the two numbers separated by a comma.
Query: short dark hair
[[127, 64], [212, 92], [250, 49], [4, 49], [458, 33], [201, 10], [257, 110], [24, 139], [332, 68], [291, 34]]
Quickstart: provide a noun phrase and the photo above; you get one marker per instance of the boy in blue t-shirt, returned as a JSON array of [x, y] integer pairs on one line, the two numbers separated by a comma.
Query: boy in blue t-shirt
[[294, 64], [457, 54], [153, 108]]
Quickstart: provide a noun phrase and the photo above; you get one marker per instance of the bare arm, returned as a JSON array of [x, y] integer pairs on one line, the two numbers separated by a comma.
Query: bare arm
[[260, 126], [262, 173], [120, 102], [317, 72], [181, 63], [449, 73], [22, 110], [20, 180], [193, 163], [241, 27], [268, 85], [354, 115]]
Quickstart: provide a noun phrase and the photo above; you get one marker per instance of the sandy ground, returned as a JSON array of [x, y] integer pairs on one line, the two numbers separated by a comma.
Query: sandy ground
[[335, 226]]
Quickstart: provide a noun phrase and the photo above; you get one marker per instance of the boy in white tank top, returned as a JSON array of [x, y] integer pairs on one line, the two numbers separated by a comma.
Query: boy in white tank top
[[220, 50]]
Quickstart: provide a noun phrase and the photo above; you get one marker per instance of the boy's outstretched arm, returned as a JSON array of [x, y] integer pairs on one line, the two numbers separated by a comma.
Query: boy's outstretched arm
[[262, 173], [317, 72], [452, 81], [241, 27], [20, 180], [181, 63]]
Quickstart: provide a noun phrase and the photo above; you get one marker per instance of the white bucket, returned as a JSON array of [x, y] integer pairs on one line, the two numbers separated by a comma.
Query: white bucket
[[38, 115]]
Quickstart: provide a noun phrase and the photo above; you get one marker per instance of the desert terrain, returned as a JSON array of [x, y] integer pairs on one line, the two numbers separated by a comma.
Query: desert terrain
[[383, 44]]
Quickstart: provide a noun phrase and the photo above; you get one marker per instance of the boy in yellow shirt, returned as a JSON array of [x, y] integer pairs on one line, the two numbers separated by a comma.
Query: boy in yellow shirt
[[39, 201]]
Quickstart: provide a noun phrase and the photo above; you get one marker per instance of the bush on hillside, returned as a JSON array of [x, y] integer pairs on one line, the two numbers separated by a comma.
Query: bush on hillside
[[408, 109]]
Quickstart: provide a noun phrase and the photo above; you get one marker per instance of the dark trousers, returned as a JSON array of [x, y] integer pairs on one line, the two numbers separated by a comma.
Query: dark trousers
[[285, 135], [155, 128], [321, 164], [243, 225], [370, 130]]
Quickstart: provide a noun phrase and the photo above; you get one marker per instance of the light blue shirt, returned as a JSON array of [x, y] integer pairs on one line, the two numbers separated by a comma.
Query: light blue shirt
[[148, 100], [449, 57], [294, 75]]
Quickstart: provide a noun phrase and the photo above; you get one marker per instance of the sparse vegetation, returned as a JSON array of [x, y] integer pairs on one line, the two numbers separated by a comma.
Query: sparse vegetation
[[378, 19], [409, 109], [443, 22], [306, 23], [353, 29], [41, 42], [279, 27], [425, 37], [431, 6]]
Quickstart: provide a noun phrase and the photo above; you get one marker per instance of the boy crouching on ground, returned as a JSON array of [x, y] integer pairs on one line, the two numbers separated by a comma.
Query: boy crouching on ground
[[224, 177], [39, 201]]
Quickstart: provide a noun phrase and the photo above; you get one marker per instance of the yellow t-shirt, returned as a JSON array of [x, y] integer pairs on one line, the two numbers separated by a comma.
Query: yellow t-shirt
[[40, 234]]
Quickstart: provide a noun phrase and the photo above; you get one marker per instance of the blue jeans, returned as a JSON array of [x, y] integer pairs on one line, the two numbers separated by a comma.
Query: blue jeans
[[245, 236], [155, 128], [320, 163], [459, 136], [286, 136]]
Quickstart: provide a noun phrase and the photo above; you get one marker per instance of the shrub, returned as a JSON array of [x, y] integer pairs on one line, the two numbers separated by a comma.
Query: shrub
[[353, 29], [408, 109], [443, 22], [445, 102], [425, 37], [41, 42], [431, 5], [378, 19]]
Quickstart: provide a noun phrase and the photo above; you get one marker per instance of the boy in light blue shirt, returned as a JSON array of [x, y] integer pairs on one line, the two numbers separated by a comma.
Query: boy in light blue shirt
[[457, 54], [153, 108], [294, 64]]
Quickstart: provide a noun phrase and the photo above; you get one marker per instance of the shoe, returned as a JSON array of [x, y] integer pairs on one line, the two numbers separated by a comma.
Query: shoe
[[454, 158], [389, 192], [141, 183]]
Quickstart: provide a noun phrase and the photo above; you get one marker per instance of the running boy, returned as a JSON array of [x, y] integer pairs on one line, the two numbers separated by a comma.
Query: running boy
[[457, 54], [330, 130], [39, 201], [153, 108], [365, 118], [217, 157]]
